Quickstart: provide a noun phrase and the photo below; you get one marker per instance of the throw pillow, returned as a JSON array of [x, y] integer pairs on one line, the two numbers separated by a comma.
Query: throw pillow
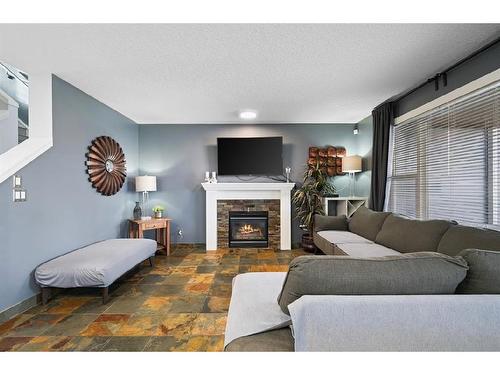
[[367, 223], [322, 222], [410, 236], [483, 276]]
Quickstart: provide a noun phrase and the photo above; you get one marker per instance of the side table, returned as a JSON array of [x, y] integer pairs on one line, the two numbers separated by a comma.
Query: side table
[[161, 226]]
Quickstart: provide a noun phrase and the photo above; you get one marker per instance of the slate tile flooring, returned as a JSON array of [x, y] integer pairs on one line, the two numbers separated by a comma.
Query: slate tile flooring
[[180, 304]]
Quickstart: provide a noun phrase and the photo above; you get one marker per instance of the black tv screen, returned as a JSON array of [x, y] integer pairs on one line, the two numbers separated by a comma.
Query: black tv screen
[[250, 156]]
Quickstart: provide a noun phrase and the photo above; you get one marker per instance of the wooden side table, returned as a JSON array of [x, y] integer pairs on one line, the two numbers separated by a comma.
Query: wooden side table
[[161, 226]]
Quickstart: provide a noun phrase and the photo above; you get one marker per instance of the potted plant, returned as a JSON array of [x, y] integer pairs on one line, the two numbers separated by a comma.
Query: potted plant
[[308, 201], [158, 211]]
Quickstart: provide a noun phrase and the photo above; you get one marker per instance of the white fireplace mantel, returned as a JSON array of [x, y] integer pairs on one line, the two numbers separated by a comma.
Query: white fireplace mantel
[[248, 190]]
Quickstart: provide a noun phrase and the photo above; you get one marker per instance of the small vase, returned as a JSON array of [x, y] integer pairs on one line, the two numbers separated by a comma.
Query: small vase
[[137, 211]]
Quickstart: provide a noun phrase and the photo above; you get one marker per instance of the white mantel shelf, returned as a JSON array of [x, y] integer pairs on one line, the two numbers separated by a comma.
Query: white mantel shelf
[[250, 191]]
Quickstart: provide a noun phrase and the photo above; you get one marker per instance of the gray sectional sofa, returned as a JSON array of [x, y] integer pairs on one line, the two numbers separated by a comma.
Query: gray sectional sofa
[[387, 283], [370, 233]]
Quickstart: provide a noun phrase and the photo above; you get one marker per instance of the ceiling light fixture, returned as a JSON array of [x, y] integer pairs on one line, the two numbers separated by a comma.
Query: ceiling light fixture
[[248, 114]]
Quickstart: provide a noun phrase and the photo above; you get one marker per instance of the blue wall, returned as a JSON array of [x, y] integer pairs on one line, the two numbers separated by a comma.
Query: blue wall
[[63, 211], [180, 154]]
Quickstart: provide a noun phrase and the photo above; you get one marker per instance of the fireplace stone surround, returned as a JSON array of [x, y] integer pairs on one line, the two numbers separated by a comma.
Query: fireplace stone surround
[[273, 197], [270, 206]]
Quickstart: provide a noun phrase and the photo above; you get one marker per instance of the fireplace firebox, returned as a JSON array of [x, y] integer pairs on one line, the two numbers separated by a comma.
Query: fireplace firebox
[[248, 229]]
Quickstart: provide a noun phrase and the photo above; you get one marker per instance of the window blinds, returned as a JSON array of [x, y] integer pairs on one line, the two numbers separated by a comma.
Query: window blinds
[[445, 163]]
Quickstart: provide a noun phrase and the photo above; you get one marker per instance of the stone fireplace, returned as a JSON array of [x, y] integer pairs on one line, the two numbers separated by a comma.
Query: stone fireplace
[[232, 214], [272, 198]]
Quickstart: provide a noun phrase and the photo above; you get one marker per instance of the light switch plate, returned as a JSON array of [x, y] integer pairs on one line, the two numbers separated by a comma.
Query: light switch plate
[[16, 181], [19, 195]]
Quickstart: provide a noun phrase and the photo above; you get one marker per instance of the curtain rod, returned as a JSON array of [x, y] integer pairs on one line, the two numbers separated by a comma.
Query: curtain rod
[[445, 71]]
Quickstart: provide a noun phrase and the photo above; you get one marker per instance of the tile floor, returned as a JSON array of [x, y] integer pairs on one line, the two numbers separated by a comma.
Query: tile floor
[[180, 304]]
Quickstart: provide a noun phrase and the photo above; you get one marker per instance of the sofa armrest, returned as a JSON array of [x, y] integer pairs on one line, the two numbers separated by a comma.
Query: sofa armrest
[[322, 222], [397, 323]]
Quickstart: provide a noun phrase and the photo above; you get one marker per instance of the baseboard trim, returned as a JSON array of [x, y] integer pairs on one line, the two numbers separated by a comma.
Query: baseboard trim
[[186, 245], [20, 307]]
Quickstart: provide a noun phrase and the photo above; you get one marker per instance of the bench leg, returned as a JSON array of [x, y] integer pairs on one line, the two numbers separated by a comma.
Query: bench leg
[[151, 261], [105, 295], [45, 295]]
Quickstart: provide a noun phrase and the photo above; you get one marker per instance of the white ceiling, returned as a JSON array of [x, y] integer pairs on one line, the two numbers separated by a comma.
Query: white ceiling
[[205, 73]]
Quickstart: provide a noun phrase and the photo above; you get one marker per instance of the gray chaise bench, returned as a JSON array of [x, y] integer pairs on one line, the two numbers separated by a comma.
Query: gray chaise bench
[[97, 265]]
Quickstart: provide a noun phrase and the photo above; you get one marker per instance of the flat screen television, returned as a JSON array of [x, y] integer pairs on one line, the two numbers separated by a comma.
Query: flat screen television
[[250, 156]]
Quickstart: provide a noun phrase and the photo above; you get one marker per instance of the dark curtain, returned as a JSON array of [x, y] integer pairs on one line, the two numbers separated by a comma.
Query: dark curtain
[[383, 119]]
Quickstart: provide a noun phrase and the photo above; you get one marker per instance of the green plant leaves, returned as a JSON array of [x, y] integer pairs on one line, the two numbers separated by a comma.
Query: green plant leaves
[[308, 197]]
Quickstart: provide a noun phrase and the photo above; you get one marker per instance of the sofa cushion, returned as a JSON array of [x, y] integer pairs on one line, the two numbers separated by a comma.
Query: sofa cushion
[[418, 273], [409, 236], [460, 237], [326, 240], [322, 222], [367, 223], [339, 236], [278, 340], [483, 276], [328, 247], [365, 250]]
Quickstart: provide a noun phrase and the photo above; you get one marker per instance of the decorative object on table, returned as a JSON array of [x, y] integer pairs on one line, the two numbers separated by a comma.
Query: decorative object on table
[[351, 165], [144, 185], [213, 180], [308, 201], [136, 229], [287, 171], [106, 165], [207, 176], [329, 159], [158, 212], [137, 211]]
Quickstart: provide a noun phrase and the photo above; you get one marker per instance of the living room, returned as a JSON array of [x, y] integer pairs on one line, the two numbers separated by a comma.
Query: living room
[[249, 187]]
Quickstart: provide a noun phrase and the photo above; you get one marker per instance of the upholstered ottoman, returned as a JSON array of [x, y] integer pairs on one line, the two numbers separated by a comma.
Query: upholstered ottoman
[[96, 265]]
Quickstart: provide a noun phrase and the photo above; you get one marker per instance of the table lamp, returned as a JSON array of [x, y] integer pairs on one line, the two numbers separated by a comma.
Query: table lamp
[[145, 184], [351, 165]]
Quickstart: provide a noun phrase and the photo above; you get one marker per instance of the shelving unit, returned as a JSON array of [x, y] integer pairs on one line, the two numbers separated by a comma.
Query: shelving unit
[[343, 205]]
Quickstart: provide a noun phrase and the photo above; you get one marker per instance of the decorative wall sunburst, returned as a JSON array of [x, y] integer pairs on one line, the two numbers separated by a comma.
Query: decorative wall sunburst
[[106, 165]]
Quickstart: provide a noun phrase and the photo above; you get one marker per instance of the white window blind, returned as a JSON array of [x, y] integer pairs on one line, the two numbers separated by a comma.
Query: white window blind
[[445, 163]]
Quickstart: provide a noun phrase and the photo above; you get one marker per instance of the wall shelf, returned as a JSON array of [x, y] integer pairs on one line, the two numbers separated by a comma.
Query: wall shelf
[[335, 206]]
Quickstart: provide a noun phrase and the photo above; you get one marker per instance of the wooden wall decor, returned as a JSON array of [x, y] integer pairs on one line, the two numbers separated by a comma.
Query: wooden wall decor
[[329, 159], [106, 165]]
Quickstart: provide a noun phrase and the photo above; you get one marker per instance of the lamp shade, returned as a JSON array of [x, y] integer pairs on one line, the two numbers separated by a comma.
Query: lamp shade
[[145, 183], [351, 163]]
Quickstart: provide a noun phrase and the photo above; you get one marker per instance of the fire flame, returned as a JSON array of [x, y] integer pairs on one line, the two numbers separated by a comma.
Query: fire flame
[[247, 229]]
